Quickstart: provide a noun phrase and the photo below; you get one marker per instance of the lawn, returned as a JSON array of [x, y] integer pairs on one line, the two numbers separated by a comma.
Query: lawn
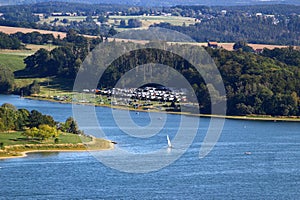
[[50, 86], [11, 61], [16, 138], [13, 138], [21, 82], [14, 59]]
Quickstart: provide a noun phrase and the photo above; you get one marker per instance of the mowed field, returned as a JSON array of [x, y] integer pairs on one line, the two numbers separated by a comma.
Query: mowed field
[[12, 62], [14, 59], [30, 49], [11, 30]]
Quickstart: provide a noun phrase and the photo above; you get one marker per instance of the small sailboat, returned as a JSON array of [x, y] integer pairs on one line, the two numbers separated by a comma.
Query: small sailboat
[[169, 142]]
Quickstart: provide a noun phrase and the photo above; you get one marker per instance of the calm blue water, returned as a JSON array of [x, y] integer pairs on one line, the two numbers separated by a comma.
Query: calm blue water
[[270, 172]]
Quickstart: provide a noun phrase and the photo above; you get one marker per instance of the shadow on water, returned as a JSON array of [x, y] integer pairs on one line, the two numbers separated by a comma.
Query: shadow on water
[[42, 154]]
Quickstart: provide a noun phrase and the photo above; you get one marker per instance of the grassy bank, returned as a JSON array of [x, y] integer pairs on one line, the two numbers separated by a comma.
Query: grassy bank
[[14, 144]]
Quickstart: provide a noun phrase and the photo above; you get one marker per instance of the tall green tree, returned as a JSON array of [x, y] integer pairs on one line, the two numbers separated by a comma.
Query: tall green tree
[[8, 115], [36, 119], [6, 80]]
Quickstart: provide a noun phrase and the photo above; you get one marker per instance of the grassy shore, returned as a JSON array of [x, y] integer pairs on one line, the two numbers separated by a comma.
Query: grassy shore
[[14, 145]]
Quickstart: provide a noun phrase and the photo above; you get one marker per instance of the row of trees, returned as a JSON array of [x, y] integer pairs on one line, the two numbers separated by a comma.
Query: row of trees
[[36, 38], [34, 124], [12, 118], [14, 41], [9, 42], [239, 27], [132, 23]]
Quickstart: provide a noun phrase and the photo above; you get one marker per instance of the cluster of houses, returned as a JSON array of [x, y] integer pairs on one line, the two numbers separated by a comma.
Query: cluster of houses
[[146, 93]]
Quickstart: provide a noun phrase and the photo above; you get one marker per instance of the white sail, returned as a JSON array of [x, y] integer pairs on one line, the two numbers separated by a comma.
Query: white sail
[[169, 142]]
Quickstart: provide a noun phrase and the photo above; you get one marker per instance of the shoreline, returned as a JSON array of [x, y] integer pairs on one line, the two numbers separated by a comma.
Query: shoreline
[[230, 117], [24, 153], [85, 145]]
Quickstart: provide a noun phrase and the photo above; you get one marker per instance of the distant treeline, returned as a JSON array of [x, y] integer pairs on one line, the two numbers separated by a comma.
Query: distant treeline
[[271, 24], [23, 16], [64, 7], [236, 23], [82, 27], [254, 29], [269, 9]]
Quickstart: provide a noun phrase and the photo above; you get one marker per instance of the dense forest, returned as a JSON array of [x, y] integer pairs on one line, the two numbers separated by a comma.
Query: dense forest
[[263, 84], [259, 85], [271, 24]]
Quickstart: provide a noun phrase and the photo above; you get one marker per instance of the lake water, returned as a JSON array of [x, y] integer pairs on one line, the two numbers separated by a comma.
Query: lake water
[[271, 171]]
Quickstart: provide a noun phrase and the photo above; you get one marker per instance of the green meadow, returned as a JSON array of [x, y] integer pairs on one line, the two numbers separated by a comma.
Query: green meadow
[[13, 62]]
